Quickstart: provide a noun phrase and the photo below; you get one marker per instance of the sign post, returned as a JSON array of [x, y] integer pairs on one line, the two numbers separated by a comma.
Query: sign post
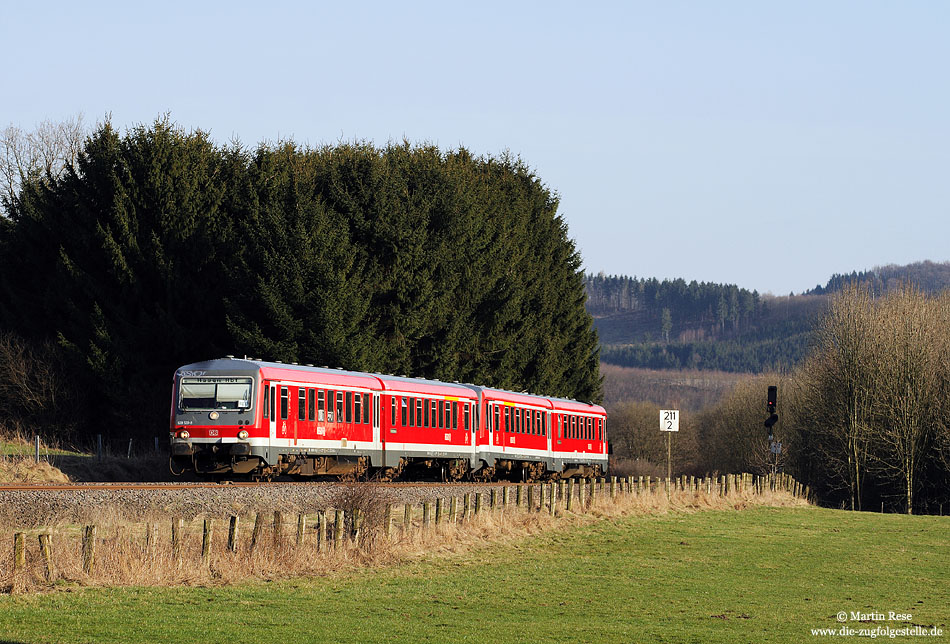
[[669, 422]]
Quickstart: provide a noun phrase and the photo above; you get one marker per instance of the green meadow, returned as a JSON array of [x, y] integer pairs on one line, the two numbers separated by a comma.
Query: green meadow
[[757, 575]]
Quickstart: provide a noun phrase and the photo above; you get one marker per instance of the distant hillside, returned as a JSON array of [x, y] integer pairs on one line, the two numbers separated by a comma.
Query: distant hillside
[[931, 277], [672, 324]]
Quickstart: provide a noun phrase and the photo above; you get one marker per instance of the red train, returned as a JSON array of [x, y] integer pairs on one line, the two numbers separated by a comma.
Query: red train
[[263, 419]]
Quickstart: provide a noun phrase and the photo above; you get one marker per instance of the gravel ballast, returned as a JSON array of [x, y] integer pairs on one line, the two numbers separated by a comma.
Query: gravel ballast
[[35, 508]]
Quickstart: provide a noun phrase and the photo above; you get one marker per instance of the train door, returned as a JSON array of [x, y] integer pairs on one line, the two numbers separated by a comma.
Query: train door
[[272, 423], [548, 423], [378, 437]]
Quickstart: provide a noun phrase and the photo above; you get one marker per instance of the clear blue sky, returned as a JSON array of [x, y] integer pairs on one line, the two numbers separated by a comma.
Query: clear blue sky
[[765, 144]]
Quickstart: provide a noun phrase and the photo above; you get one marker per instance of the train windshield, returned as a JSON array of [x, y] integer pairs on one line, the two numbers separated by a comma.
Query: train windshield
[[214, 393]]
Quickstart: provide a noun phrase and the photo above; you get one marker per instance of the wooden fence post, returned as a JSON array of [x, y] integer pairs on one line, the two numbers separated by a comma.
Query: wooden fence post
[[553, 496], [541, 499], [177, 528], [426, 514], [530, 507], [613, 487], [478, 503], [454, 509], [321, 530], [506, 496], [46, 551], [357, 524], [339, 520], [233, 533], [301, 529], [258, 530], [467, 505], [89, 549], [569, 499], [581, 493], [493, 499], [519, 496], [206, 542], [407, 518], [278, 524], [339, 526], [389, 520], [19, 551], [149, 540]]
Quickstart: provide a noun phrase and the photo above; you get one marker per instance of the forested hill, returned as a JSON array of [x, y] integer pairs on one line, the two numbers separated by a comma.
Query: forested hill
[[930, 277], [672, 324]]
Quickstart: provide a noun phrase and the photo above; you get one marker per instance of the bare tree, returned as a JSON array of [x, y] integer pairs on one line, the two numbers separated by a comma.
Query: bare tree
[[44, 152], [908, 404], [839, 383]]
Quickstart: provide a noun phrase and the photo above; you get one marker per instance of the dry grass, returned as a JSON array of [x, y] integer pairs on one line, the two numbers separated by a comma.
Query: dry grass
[[141, 554], [24, 469]]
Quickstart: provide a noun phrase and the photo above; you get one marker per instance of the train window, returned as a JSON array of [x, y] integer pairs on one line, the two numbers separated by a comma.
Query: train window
[[450, 415], [301, 404], [266, 403], [311, 404], [357, 408], [544, 423], [425, 412], [321, 405], [497, 416], [366, 419], [339, 406], [211, 393], [412, 412], [349, 407], [284, 402], [438, 415], [590, 428], [273, 403], [466, 413], [419, 414], [402, 415], [572, 426], [393, 411], [508, 419], [434, 414]]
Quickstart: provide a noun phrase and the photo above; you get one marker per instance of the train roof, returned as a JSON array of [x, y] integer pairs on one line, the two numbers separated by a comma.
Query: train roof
[[251, 367]]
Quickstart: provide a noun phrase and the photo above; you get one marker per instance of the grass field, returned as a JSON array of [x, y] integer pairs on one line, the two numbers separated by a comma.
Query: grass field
[[759, 575]]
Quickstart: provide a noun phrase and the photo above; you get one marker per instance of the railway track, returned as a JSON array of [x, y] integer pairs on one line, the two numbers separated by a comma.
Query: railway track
[[86, 487]]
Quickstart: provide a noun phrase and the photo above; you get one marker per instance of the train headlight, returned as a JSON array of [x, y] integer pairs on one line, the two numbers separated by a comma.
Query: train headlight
[[213, 415], [243, 434], [184, 434]]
